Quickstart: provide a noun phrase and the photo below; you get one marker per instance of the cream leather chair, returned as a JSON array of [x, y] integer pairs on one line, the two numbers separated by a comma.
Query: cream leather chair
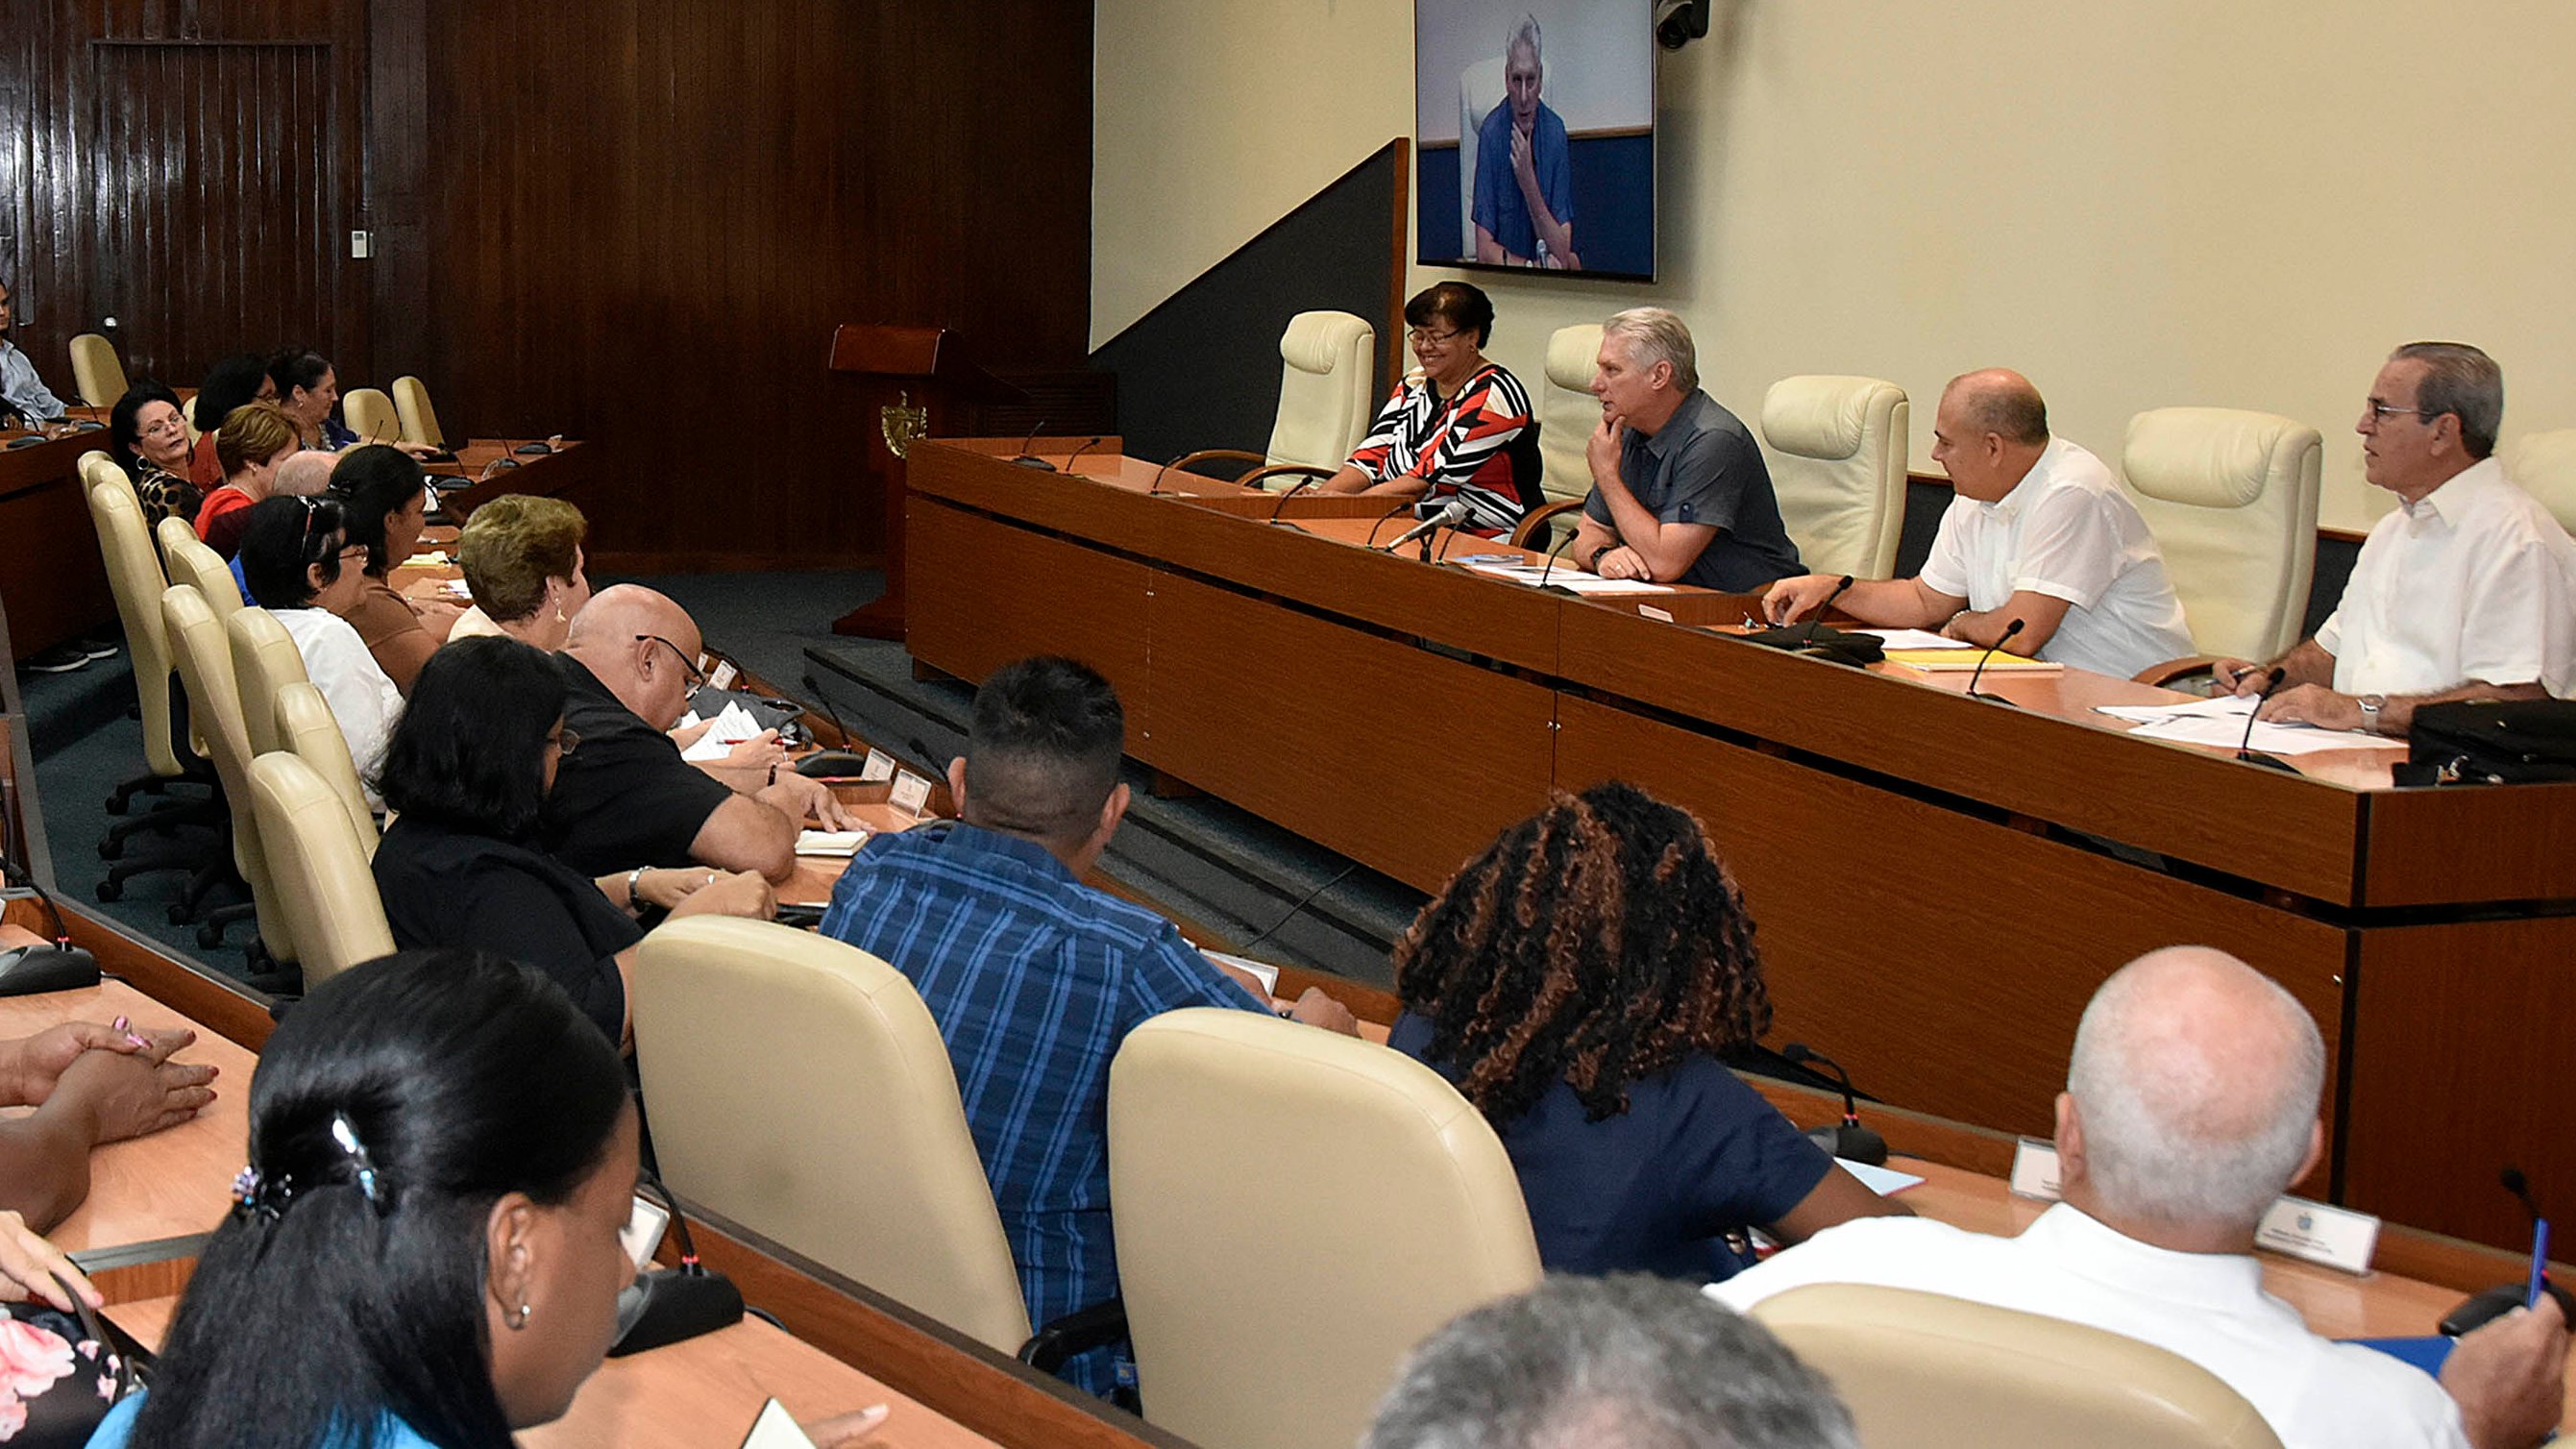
[[1922, 1371], [320, 870], [2544, 464], [96, 467], [1480, 89], [190, 561], [419, 419], [1838, 454], [96, 374], [307, 730], [1295, 1209], [1327, 395], [134, 577], [1567, 415], [265, 661], [206, 667], [857, 1154], [370, 414], [2232, 499]]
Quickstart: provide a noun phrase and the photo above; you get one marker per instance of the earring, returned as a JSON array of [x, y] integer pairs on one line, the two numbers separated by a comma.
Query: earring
[[519, 1319]]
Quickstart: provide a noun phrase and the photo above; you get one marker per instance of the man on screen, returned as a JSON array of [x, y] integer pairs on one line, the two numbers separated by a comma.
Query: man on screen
[[1524, 210]]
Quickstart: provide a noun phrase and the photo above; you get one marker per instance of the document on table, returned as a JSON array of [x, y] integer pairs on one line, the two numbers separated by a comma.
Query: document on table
[[2221, 721], [1915, 639], [1885, 1181], [730, 729], [838, 843], [1573, 580]]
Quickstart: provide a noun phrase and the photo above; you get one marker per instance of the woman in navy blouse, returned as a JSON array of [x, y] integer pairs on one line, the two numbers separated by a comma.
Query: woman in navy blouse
[[1579, 982]]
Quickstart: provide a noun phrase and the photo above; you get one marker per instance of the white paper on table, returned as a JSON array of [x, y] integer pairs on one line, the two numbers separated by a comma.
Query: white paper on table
[[1885, 1181], [776, 1429], [2269, 738], [1261, 971], [842, 843], [2221, 706], [730, 729], [1916, 639]]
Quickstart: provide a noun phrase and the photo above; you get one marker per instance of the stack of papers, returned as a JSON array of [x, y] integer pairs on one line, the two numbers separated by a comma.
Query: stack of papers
[[1915, 639], [730, 729], [1563, 576], [2221, 722], [840, 843]]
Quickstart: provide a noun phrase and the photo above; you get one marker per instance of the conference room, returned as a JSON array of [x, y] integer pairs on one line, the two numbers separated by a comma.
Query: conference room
[[944, 336]]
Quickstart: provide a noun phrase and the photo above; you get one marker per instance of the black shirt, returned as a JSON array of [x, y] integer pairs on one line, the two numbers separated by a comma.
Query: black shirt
[[446, 888], [624, 798], [1703, 467]]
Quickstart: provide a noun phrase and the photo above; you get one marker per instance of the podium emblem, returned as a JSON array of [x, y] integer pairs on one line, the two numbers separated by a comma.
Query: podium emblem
[[903, 424]]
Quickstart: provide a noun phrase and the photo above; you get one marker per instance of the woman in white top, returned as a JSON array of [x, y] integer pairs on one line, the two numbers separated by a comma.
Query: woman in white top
[[298, 562]]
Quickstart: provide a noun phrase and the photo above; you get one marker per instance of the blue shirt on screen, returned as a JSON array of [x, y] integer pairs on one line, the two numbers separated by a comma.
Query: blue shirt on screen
[[1500, 208], [1657, 1188], [1034, 979]]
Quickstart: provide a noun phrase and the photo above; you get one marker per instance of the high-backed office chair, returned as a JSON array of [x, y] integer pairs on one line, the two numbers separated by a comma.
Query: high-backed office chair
[[206, 667], [1921, 1371], [96, 374], [1568, 414], [135, 580], [1838, 453], [265, 661], [320, 871], [96, 467], [188, 417], [1326, 399], [308, 730], [1480, 89], [858, 1157], [189, 560], [2232, 499], [370, 414], [1381, 1203], [2544, 465], [419, 419]]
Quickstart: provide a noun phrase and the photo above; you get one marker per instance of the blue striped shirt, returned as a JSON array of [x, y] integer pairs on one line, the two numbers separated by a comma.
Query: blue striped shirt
[[1034, 979]]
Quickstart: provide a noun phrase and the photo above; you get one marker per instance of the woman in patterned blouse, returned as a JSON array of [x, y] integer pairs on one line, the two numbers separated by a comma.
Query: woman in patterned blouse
[[151, 442], [1461, 428]]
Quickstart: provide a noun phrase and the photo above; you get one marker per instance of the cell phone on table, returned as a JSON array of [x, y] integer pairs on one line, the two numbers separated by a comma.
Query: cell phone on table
[[804, 916]]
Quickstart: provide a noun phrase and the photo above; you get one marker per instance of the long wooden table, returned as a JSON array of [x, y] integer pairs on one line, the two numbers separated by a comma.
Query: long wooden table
[[51, 573], [1940, 883]]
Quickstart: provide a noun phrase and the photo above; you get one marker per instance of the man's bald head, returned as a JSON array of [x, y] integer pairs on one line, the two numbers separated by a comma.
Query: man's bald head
[[2000, 400], [642, 646], [615, 615], [2196, 1080], [304, 474]]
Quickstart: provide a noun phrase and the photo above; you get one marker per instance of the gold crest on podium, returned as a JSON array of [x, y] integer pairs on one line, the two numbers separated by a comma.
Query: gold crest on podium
[[903, 424]]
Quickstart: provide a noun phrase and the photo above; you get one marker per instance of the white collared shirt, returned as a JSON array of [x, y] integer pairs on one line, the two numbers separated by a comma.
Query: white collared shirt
[[24, 391], [361, 695], [2474, 581], [2207, 1307], [2067, 531]]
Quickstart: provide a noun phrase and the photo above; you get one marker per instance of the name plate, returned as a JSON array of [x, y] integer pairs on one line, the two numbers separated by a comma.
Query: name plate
[[880, 767], [2313, 1232], [910, 794], [725, 674], [2034, 1170], [1649, 611]]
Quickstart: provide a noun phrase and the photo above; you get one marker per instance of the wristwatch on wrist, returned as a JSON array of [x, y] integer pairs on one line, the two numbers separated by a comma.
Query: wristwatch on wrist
[[635, 889], [1594, 563], [2371, 705]]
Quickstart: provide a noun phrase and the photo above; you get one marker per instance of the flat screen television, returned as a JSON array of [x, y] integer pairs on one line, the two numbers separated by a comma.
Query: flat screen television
[[1534, 135]]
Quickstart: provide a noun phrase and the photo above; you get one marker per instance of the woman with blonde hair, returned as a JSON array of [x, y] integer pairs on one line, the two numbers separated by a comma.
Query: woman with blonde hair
[[522, 561]]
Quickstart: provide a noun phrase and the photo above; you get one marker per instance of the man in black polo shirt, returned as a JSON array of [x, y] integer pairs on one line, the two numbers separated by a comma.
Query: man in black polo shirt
[[625, 798], [1679, 491]]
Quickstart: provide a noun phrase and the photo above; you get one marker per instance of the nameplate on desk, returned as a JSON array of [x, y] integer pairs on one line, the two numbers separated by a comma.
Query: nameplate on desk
[[2320, 1233], [2034, 1172], [1649, 611], [879, 768], [724, 675], [911, 793]]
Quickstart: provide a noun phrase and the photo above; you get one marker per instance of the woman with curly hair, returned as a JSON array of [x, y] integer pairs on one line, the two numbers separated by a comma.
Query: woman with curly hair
[[1579, 981]]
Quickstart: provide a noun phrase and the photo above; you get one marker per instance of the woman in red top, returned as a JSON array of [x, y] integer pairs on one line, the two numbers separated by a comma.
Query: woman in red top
[[252, 442], [1461, 429]]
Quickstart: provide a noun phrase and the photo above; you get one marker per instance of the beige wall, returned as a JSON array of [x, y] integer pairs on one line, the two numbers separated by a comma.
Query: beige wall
[[2138, 204]]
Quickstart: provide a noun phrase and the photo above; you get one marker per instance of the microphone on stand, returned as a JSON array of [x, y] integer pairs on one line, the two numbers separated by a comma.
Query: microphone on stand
[[2244, 747], [1156, 486], [1450, 516], [1816, 620], [1851, 1139], [1381, 522], [1284, 497], [1076, 453], [1031, 460], [2009, 631], [1550, 567]]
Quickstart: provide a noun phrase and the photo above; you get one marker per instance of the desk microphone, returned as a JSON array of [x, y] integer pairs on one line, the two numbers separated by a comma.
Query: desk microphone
[[2493, 1303], [2009, 631], [1450, 516], [1816, 620], [1284, 497], [1028, 459], [1381, 522], [1550, 567], [2244, 747], [1076, 453], [1851, 1139], [1156, 486]]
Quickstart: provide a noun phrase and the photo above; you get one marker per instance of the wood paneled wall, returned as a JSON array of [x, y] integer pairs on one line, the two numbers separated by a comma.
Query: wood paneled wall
[[634, 221]]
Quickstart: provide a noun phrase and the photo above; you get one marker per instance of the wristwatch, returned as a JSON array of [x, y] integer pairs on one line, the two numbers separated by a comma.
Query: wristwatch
[[1594, 563], [2371, 705]]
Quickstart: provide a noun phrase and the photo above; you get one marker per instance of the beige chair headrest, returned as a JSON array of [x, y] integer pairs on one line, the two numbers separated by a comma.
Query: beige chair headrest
[[1819, 415], [1573, 354], [2204, 457], [1316, 341]]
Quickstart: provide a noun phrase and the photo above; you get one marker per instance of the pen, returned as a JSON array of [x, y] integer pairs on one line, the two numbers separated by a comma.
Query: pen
[[2539, 1262]]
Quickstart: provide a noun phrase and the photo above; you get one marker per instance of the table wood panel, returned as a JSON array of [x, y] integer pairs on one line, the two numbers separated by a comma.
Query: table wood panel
[[1937, 956], [985, 593], [51, 575]]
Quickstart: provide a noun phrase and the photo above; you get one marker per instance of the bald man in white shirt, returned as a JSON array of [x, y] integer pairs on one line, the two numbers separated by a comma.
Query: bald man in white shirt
[[2466, 591]]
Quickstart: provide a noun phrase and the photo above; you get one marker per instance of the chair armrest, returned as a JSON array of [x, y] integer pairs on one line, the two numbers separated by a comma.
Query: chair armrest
[[1535, 524], [1187, 462], [1307, 471], [2163, 675], [1080, 1331]]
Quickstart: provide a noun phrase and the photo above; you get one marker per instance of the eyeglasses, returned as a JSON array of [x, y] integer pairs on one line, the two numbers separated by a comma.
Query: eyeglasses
[[565, 741], [697, 676], [1420, 336], [2385, 411]]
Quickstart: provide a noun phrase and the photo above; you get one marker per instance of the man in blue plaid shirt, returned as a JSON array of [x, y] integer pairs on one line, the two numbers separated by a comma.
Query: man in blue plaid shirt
[[1034, 977]]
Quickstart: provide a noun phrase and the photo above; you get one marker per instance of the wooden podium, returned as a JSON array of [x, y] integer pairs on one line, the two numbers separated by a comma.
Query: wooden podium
[[919, 380]]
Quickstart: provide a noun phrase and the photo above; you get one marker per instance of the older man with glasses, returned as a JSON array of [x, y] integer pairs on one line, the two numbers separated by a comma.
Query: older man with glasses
[[628, 799], [2466, 591]]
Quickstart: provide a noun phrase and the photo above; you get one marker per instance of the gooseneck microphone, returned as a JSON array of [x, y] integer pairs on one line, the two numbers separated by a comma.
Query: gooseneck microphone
[[2000, 641], [1284, 497], [1382, 521], [1450, 516], [1562, 545], [2484, 1307], [1028, 459], [1816, 620], [1076, 453], [1850, 1140], [1156, 486], [2245, 747]]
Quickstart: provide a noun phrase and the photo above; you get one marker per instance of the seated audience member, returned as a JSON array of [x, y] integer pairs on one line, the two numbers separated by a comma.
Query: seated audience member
[[309, 390], [628, 799], [1460, 430], [1580, 982], [2039, 532], [23, 394], [1680, 494], [300, 565], [2466, 591], [1034, 977], [252, 444], [387, 496], [467, 774], [301, 474], [521, 556], [89, 1085], [2190, 1106], [236, 381], [149, 441], [1624, 1362]]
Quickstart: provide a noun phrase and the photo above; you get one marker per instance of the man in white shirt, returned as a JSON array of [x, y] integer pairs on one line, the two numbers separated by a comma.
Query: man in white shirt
[[2190, 1106], [2040, 533], [2466, 591], [23, 394]]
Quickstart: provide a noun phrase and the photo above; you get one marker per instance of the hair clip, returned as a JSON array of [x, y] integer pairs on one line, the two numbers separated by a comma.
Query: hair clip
[[257, 1195], [368, 1183]]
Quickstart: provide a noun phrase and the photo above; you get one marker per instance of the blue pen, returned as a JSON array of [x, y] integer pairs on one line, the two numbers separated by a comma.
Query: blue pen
[[2539, 1261]]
